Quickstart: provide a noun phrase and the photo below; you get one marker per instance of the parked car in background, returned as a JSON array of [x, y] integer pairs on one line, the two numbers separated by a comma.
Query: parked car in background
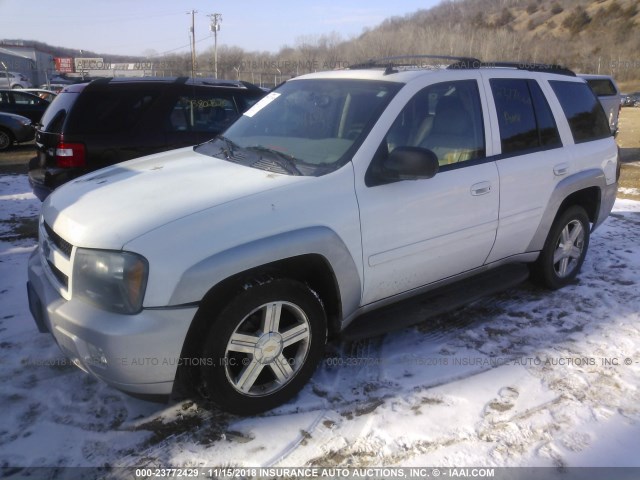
[[14, 129], [56, 84], [23, 103], [609, 96], [13, 80], [107, 121], [631, 99], [55, 87], [43, 93]]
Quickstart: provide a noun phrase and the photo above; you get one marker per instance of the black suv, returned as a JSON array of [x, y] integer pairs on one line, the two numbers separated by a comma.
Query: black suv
[[92, 125]]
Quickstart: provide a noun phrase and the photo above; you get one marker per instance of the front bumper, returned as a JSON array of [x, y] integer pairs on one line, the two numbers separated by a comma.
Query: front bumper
[[138, 354]]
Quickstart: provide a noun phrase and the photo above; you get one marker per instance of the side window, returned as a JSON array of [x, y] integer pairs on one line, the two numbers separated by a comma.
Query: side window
[[547, 128], [202, 113], [111, 110], [584, 112], [517, 121], [445, 118], [524, 117], [25, 99]]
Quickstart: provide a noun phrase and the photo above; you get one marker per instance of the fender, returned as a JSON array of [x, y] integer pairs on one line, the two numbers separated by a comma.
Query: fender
[[204, 275], [572, 184]]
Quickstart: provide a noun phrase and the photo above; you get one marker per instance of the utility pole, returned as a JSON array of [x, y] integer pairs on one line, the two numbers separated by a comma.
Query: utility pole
[[193, 43], [216, 19]]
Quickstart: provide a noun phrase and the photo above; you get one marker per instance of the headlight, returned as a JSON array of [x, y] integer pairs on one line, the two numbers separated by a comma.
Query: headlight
[[114, 281]]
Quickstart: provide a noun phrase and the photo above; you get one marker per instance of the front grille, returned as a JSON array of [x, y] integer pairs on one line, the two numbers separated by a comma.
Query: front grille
[[64, 246], [61, 277]]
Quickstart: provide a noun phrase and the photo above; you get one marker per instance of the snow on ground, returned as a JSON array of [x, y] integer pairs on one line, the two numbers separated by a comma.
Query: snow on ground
[[524, 378], [629, 191]]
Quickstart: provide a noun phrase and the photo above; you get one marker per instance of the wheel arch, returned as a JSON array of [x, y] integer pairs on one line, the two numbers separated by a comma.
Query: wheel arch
[[588, 198], [587, 189], [326, 271]]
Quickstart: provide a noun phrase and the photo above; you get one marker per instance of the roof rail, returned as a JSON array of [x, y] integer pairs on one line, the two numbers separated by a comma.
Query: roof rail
[[404, 61], [530, 67], [251, 86]]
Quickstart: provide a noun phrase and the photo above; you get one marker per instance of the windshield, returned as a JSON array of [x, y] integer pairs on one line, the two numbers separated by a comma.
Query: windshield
[[305, 127]]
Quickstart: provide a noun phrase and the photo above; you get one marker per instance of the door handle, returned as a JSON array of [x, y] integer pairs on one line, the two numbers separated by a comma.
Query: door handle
[[481, 188], [561, 169]]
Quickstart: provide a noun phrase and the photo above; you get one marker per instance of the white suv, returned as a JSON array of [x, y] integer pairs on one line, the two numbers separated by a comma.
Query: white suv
[[228, 264]]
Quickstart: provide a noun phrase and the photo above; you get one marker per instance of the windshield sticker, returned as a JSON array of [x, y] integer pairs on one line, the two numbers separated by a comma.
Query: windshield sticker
[[261, 104]]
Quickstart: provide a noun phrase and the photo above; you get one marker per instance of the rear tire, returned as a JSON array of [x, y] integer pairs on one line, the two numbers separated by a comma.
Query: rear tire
[[564, 250], [263, 347]]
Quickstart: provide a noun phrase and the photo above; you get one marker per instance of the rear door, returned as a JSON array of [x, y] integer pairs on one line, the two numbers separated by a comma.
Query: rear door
[[530, 158]]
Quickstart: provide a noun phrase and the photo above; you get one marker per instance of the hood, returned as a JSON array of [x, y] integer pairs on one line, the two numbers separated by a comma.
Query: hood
[[109, 207]]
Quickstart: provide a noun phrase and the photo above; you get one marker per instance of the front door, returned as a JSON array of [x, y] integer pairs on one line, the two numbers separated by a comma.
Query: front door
[[415, 232]]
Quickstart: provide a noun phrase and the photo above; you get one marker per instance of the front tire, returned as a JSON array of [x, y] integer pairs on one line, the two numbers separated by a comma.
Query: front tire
[[564, 250], [6, 139], [263, 346]]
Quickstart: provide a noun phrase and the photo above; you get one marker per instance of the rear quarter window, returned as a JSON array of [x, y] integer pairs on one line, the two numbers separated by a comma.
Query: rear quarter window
[[56, 113], [602, 87], [584, 112], [110, 111]]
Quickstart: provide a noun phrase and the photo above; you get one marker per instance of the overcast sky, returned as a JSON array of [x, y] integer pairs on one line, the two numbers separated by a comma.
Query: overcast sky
[[133, 27]]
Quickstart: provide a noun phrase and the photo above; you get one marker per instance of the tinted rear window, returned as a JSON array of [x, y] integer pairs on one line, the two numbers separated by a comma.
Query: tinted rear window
[[110, 111], [56, 113], [584, 112], [526, 122], [602, 87]]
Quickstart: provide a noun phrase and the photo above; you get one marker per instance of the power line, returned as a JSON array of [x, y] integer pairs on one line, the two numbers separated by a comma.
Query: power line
[[182, 46]]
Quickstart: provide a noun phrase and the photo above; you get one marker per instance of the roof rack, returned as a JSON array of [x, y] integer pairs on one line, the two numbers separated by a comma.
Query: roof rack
[[463, 63], [403, 61], [530, 67]]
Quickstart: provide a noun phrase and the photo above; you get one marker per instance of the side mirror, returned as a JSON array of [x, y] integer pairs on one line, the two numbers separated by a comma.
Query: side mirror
[[410, 163]]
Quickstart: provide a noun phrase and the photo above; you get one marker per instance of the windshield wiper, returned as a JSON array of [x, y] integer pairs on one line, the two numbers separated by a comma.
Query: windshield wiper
[[229, 151], [288, 162]]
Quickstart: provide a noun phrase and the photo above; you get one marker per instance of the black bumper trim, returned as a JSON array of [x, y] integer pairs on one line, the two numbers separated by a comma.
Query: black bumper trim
[[36, 309]]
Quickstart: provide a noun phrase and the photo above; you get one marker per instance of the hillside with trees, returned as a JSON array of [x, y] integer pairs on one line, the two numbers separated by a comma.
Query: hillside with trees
[[586, 35], [589, 36]]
